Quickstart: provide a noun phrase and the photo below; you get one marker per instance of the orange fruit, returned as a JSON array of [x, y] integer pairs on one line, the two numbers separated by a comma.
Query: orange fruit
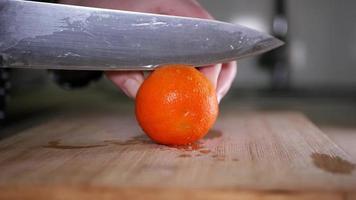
[[176, 105]]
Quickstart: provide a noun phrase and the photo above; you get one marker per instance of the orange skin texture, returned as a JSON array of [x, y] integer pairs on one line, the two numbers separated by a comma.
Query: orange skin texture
[[176, 105]]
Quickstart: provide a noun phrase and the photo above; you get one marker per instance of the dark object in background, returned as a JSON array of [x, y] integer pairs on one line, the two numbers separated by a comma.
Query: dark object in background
[[2, 98], [69, 79], [4, 88], [275, 61]]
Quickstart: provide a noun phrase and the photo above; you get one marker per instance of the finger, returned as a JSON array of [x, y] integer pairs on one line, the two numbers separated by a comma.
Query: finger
[[226, 77], [212, 73], [185, 8], [128, 82]]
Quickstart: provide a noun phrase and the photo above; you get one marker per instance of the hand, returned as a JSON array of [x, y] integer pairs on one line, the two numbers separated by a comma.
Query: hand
[[221, 75]]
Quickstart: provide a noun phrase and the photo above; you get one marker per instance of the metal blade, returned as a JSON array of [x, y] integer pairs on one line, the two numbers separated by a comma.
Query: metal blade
[[53, 36]]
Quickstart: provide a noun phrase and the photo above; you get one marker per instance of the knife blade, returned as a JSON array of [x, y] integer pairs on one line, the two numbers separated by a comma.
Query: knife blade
[[55, 36]]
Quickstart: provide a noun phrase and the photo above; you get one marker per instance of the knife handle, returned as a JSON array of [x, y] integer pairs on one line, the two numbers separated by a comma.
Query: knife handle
[[4, 87], [71, 79]]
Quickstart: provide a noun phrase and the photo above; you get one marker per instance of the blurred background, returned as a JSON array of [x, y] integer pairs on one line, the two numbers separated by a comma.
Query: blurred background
[[320, 36], [314, 73]]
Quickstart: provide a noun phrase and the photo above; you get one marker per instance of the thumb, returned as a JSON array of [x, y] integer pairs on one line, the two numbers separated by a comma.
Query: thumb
[[128, 81]]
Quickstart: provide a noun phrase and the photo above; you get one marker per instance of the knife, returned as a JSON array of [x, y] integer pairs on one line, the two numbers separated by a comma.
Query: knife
[[55, 36]]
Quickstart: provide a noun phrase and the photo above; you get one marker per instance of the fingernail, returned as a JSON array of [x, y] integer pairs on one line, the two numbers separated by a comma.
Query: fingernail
[[220, 94], [131, 87], [219, 98]]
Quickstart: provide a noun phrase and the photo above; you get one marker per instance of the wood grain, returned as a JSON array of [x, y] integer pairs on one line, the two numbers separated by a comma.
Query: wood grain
[[345, 137], [94, 193], [272, 153]]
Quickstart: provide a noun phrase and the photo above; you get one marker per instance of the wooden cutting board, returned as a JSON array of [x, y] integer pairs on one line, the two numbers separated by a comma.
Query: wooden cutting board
[[105, 155]]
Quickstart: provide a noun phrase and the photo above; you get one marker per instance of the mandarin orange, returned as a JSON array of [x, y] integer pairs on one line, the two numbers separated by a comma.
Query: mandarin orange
[[176, 105]]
